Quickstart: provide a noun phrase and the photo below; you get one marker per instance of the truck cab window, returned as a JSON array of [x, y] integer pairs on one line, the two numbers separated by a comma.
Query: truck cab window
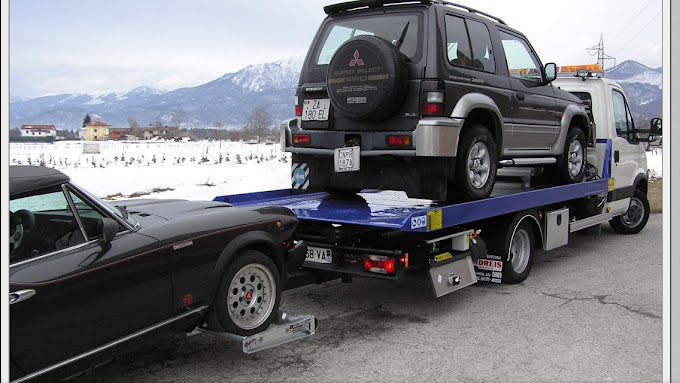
[[623, 121]]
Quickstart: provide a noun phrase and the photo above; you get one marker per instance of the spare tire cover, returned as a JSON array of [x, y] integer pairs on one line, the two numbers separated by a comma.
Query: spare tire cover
[[367, 79]]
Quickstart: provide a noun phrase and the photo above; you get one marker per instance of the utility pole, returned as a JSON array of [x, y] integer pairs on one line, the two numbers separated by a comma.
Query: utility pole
[[601, 56]]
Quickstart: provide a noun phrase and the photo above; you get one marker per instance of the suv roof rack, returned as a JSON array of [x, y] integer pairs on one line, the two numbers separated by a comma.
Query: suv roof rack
[[471, 10], [362, 4]]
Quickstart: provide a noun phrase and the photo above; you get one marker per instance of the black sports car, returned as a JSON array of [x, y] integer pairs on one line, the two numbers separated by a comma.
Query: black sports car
[[88, 278]]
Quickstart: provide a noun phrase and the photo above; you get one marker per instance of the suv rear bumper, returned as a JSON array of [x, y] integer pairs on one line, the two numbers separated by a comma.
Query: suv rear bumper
[[432, 137]]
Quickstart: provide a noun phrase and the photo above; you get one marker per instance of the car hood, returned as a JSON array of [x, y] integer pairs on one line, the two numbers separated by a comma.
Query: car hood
[[169, 209]]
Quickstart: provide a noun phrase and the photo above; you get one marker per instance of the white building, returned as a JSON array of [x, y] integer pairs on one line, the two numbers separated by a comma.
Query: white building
[[38, 131]]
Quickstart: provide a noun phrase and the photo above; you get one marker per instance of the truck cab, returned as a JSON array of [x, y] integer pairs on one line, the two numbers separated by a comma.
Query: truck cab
[[619, 153]]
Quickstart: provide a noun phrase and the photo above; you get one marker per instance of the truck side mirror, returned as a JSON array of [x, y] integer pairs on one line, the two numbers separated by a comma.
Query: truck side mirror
[[655, 127], [550, 72]]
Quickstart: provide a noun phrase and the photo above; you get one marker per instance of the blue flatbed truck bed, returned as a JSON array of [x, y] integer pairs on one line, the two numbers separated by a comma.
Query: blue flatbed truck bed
[[385, 234]]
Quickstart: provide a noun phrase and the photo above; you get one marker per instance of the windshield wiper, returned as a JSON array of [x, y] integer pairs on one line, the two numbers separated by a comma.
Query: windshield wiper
[[403, 36]]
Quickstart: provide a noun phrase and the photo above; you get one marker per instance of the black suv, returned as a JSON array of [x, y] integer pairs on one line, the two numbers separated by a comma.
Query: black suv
[[428, 97]]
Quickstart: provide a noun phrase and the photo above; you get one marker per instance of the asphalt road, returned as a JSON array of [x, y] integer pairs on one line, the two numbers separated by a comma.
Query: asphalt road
[[588, 312]]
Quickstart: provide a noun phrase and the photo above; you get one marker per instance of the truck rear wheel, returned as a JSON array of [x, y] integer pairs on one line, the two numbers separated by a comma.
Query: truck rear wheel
[[520, 256], [248, 295], [635, 218]]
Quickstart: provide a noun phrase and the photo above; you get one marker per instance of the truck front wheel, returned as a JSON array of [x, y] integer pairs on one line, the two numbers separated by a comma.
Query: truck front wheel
[[635, 218], [248, 295]]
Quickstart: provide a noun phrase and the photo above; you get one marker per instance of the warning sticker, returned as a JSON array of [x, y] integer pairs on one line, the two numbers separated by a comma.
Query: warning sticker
[[434, 220]]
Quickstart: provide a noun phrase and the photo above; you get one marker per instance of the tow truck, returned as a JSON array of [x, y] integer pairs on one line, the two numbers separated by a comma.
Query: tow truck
[[385, 234]]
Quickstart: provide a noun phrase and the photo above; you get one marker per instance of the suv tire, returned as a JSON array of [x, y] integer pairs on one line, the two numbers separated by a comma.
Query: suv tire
[[367, 79], [476, 165], [572, 163]]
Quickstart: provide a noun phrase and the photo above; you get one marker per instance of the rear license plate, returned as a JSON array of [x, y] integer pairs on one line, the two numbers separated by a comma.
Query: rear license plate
[[315, 109], [319, 255], [347, 159]]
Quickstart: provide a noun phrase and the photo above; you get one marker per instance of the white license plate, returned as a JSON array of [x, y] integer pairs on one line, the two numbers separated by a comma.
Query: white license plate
[[319, 255], [315, 109], [347, 159]]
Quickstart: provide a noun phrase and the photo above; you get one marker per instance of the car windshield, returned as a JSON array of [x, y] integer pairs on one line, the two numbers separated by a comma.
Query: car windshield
[[402, 30], [120, 212]]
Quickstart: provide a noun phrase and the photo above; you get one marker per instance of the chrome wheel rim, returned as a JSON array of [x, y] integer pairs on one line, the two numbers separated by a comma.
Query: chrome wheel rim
[[251, 296], [634, 214], [479, 165], [520, 249], [575, 158]]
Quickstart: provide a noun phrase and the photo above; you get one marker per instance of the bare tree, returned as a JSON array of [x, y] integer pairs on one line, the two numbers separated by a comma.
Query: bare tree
[[132, 123], [179, 116], [259, 122]]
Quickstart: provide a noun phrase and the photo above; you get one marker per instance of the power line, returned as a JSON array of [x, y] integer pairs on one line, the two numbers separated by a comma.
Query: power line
[[633, 19], [645, 27], [645, 51]]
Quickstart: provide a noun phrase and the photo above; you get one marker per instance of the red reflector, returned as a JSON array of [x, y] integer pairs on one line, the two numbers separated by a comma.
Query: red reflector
[[301, 139], [398, 141], [298, 110], [379, 264], [432, 109]]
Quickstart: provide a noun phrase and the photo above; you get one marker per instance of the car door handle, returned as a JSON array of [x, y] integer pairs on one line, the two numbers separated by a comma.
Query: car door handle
[[21, 295], [520, 96]]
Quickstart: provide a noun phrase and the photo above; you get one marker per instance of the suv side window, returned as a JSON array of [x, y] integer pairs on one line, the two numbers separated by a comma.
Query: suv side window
[[468, 44], [622, 117], [522, 63]]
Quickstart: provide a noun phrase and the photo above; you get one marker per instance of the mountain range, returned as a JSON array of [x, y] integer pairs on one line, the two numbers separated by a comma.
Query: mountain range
[[230, 99]]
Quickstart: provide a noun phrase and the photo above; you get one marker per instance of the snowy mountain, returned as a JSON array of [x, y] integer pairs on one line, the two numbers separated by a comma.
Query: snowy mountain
[[643, 86], [231, 98]]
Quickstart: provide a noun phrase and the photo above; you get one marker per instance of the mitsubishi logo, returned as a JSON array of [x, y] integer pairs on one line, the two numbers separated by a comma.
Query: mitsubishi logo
[[357, 60]]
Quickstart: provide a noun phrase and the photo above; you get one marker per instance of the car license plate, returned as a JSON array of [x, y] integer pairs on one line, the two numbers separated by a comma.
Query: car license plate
[[319, 255], [315, 109], [347, 159]]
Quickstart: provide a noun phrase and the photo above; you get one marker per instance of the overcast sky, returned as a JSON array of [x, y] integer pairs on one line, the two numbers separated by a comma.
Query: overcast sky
[[85, 46]]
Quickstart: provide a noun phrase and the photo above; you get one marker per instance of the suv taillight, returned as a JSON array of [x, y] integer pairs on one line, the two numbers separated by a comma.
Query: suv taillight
[[298, 107], [433, 98]]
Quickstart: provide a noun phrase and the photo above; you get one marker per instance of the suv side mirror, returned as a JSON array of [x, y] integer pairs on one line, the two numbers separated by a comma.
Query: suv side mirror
[[550, 72]]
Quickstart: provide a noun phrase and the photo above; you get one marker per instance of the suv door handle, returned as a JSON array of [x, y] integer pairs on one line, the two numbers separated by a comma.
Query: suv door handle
[[520, 96], [20, 295]]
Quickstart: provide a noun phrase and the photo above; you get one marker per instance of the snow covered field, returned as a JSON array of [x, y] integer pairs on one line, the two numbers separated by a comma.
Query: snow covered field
[[190, 170]]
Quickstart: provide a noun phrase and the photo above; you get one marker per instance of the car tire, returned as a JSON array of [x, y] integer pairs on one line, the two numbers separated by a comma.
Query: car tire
[[248, 295], [572, 163], [476, 166], [635, 218], [520, 253], [367, 79]]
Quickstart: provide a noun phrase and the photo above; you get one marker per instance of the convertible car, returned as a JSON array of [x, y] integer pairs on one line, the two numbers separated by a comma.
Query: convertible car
[[90, 278]]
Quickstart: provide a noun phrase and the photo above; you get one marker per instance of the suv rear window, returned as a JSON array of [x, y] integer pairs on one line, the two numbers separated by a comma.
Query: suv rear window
[[390, 27]]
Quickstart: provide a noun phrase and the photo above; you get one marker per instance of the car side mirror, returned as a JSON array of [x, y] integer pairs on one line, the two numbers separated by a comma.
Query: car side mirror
[[109, 229], [550, 72]]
